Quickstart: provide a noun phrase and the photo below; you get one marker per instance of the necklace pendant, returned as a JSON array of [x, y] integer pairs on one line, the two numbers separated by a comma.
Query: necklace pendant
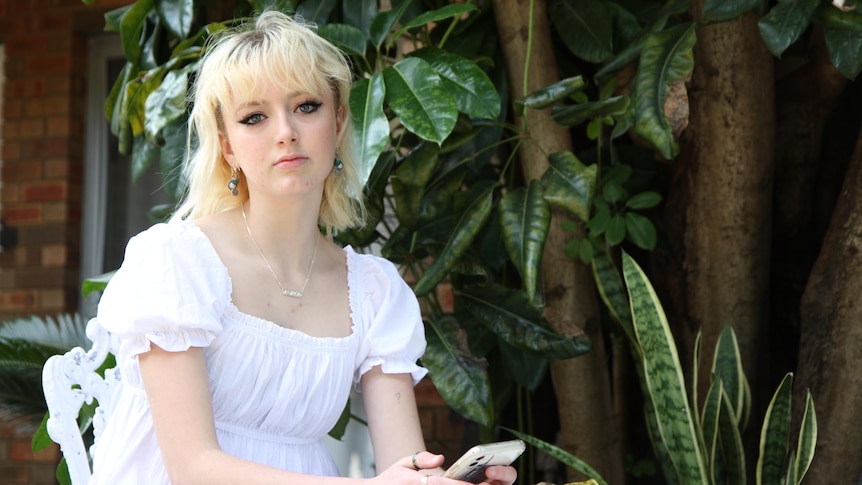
[[293, 293]]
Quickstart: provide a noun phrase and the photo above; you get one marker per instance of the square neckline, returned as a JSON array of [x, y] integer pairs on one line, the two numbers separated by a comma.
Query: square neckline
[[271, 328]]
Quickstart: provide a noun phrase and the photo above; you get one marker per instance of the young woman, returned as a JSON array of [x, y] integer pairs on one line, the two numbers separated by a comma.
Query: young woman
[[241, 328]]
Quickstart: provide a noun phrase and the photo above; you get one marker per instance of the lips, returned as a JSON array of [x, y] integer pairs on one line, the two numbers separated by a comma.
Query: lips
[[289, 161]]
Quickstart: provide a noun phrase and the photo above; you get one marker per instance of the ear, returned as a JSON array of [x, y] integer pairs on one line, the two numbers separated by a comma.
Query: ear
[[226, 148], [339, 120]]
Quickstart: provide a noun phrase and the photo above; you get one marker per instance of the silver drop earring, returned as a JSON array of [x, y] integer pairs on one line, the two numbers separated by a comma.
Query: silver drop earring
[[339, 166]]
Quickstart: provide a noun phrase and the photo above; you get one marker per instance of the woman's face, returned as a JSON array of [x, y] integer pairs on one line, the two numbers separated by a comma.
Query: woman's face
[[283, 141]]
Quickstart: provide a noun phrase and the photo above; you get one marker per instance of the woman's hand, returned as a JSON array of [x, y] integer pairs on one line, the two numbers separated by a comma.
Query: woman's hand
[[424, 468]]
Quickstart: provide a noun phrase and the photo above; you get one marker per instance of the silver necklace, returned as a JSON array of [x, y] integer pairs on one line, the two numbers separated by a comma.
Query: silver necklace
[[284, 291]]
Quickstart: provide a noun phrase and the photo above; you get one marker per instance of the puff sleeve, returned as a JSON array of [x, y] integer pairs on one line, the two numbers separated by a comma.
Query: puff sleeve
[[393, 334], [171, 290]]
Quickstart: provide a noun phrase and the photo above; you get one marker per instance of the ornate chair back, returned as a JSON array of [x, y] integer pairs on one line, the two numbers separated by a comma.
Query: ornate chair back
[[70, 381]]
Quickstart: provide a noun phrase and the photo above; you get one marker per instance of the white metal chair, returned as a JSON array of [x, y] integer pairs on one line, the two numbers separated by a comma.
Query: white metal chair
[[69, 381]]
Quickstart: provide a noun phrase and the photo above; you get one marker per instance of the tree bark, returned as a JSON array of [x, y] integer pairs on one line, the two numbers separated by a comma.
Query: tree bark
[[829, 359], [581, 385], [719, 206]]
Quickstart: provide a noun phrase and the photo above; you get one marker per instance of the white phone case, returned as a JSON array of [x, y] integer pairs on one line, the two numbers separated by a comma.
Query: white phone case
[[472, 464]]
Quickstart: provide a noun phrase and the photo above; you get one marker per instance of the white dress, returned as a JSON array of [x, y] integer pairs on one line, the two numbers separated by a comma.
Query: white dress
[[276, 392]]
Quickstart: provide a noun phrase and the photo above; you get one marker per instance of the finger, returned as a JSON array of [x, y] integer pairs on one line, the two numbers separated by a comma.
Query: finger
[[422, 460], [502, 474]]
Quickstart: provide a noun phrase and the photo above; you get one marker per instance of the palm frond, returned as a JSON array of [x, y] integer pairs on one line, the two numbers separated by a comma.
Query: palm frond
[[63, 331]]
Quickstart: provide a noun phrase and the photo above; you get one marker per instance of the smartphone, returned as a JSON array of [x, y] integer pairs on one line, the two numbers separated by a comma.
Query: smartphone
[[472, 464]]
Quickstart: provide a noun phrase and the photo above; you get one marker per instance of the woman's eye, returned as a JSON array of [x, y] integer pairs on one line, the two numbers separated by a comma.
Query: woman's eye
[[252, 119], [308, 107]]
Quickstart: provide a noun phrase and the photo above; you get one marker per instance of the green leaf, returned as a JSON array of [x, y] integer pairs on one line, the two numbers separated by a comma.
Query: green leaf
[[371, 127], [461, 378], [845, 49], [784, 23], [616, 230], [144, 154], [131, 28], [641, 231], [177, 15], [347, 37], [575, 114], [561, 455], [585, 26], [383, 22], [613, 292], [833, 18], [96, 283], [643, 200], [418, 96], [569, 184], [474, 93], [448, 11], [511, 316], [41, 439], [469, 224], [172, 156], [721, 10], [663, 376], [525, 218], [317, 11], [732, 454], [418, 165], [807, 440], [166, 103], [666, 57], [359, 13], [340, 427], [709, 425], [114, 17], [552, 93], [727, 364], [63, 472], [775, 434], [528, 369]]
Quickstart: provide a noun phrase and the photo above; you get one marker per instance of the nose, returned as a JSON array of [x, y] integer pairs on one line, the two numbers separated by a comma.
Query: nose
[[285, 130]]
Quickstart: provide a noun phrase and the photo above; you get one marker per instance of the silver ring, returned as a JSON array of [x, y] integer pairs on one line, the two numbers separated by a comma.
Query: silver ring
[[416, 465], [424, 480]]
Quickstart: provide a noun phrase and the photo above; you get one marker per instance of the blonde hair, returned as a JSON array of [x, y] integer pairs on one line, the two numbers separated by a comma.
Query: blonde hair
[[276, 49]]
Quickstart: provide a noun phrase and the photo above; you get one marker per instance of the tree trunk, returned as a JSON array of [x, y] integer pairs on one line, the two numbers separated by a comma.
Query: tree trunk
[[832, 336], [719, 207], [581, 384]]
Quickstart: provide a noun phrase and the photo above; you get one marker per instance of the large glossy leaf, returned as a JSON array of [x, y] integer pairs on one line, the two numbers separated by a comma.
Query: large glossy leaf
[[407, 203], [785, 22], [144, 154], [721, 10], [348, 38], [552, 93], [383, 22], [316, 11], [469, 223], [775, 434], [525, 218], [663, 376], [586, 27], [474, 93], [443, 13], [511, 316], [418, 165], [569, 184], [172, 156], [371, 127], [666, 57], [527, 368], [575, 114], [807, 440], [845, 49], [438, 196], [177, 16], [562, 456], [460, 378], [422, 102], [166, 103], [640, 230], [359, 13], [131, 27]]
